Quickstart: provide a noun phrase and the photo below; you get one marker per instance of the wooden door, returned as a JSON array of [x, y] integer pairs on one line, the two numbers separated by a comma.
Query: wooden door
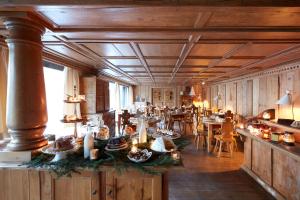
[[124, 187], [286, 175], [80, 186], [261, 161]]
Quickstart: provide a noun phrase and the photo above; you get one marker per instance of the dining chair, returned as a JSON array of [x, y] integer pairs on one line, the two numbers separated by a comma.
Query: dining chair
[[226, 137], [188, 121], [200, 133]]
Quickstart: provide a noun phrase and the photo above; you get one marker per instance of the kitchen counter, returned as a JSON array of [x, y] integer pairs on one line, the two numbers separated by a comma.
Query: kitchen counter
[[275, 166]]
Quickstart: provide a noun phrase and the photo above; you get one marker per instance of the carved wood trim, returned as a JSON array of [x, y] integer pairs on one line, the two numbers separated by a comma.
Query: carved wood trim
[[288, 67]]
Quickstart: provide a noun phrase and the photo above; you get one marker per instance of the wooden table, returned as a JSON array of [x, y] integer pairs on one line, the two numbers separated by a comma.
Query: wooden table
[[210, 125]]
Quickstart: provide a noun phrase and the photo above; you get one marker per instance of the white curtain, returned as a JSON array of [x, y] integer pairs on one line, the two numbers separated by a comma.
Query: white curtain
[[117, 98], [3, 85], [71, 77], [130, 96]]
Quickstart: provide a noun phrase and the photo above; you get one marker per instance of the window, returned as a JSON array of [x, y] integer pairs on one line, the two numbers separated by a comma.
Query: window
[[54, 85], [124, 97], [112, 95], [118, 96]]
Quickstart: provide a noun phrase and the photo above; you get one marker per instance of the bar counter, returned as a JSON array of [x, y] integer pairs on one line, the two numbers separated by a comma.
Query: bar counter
[[20, 182], [275, 166]]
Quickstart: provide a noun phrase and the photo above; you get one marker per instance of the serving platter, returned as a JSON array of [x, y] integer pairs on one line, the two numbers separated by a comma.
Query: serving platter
[[147, 153]]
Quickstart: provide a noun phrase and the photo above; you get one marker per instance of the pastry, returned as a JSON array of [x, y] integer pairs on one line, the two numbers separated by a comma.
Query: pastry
[[116, 143], [63, 143]]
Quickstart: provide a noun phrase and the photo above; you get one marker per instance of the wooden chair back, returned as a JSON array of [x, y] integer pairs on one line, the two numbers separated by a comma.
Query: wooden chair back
[[229, 114], [227, 128], [125, 116]]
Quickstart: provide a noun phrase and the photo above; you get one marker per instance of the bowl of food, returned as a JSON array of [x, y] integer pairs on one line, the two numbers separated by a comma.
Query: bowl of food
[[139, 155], [115, 144]]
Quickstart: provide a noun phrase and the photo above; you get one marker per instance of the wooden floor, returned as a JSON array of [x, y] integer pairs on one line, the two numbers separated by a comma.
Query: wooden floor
[[206, 177]]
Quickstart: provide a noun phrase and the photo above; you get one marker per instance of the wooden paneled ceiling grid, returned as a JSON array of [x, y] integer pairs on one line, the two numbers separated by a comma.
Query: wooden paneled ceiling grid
[[169, 44]]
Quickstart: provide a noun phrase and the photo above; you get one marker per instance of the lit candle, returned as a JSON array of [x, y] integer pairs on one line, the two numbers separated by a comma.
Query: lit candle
[[94, 153], [175, 155], [134, 149], [242, 126], [134, 141]]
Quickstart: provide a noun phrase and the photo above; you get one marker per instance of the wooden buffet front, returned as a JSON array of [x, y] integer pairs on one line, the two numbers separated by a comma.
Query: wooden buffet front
[[275, 166], [17, 183]]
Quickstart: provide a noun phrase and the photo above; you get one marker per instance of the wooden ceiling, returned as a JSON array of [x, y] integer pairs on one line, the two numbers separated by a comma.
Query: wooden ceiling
[[161, 43]]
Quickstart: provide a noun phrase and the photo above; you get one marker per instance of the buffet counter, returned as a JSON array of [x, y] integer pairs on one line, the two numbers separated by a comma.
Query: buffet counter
[[273, 165], [20, 182]]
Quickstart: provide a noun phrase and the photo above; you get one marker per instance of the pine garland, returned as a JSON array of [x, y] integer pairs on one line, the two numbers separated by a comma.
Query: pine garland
[[118, 160]]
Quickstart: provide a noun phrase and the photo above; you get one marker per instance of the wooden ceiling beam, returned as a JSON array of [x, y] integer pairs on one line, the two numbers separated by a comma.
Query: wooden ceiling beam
[[289, 50], [182, 41], [188, 57], [184, 53], [140, 55], [208, 5], [203, 30]]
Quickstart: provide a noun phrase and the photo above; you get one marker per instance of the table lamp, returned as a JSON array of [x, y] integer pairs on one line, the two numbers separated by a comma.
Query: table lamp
[[286, 100]]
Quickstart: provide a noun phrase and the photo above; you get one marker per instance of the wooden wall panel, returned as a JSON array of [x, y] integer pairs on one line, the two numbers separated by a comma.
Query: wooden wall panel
[[261, 161], [255, 96], [261, 92], [88, 88], [248, 153], [249, 98], [231, 96], [240, 101], [287, 181], [268, 92], [290, 81], [214, 93], [222, 93]]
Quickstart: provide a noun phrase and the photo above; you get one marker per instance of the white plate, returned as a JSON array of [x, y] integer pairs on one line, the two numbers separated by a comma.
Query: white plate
[[148, 153], [173, 137], [59, 155], [124, 147]]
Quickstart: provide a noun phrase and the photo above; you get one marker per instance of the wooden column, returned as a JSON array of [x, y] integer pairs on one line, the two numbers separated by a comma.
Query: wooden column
[[26, 99]]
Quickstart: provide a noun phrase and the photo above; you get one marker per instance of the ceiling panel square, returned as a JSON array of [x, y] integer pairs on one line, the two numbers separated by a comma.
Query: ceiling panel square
[[211, 49], [62, 49], [161, 49], [125, 49], [124, 61], [161, 69], [204, 62], [103, 49], [161, 61], [185, 68], [133, 69]]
